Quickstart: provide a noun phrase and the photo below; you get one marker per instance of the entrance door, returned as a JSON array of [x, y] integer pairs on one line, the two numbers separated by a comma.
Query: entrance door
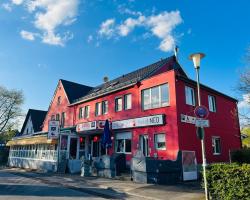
[[97, 149], [73, 148], [144, 147]]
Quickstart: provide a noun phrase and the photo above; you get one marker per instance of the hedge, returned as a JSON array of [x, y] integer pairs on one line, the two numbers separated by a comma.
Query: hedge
[[241, 156], [229, 181]]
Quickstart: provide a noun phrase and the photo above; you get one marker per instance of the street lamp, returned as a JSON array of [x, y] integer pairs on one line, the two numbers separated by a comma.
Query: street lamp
[[196, 57]]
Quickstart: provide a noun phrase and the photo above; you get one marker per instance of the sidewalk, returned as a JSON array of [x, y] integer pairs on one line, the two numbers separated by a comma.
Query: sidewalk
[[116, 189]]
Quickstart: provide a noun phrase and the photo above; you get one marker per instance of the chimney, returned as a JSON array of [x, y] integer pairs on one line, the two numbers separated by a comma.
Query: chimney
[[176, 50], [105, 79]]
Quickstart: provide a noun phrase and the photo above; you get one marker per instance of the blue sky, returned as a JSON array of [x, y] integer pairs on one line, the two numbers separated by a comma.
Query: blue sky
[[42, 41]]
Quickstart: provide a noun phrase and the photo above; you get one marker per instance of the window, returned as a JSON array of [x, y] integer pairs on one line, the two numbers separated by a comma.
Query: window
[[211, 103], [123, 142], [104, 107], [59, 100], [63, 119], [190, 96], [80, 113], [86, 111], [52, 117], [216, 145], [58, 117], [160, 141], [118, 104], [98, 108], [127, 101], [155, 97]]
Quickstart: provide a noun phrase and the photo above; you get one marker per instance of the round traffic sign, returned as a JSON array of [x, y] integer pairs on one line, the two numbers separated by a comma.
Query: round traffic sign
[[201, 112]]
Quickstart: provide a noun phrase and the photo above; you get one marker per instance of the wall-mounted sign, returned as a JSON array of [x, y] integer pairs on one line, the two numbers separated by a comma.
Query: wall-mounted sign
[[153, 120], [86, 126], [202, 123], [54, 129], [188, 119]]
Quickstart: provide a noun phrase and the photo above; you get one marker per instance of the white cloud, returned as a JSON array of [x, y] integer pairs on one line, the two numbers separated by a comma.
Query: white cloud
[[7, 7], [90, 38], [49, 16], [17, 2], [160, 26], [27, 35], [245, 103], [107, 28]]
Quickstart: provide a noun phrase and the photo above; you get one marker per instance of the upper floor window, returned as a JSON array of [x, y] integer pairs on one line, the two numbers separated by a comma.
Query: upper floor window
[[80, 115], [190, 96], [59, 100], [160, 141], [86, 111], [155, 97], [63, 117], [127, 101], [52, 117], [118, 104], [58, 117], [104, 107], [98, 108], [216, 144], [211, 103]]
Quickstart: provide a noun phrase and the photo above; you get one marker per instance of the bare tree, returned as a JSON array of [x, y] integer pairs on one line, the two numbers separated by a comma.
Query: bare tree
[[10, 108]]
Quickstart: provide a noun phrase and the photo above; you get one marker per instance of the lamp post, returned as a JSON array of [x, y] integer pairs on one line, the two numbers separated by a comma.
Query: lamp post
[[196, 57]]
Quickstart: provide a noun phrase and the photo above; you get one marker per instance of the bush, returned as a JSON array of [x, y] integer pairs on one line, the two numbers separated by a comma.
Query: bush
[[241, 156], [229, 181]]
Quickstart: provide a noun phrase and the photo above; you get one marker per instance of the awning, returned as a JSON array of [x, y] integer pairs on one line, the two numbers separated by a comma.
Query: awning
[[40, 139]]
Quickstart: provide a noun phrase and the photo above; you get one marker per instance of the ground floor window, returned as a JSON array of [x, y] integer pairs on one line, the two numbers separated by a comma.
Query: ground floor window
[[160, 141], [123, 142], [216, 143]]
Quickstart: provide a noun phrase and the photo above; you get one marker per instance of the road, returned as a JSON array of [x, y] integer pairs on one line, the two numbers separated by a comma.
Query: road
[[13, 187]]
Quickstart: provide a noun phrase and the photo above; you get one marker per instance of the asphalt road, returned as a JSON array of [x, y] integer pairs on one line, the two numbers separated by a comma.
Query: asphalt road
[[13, 187]]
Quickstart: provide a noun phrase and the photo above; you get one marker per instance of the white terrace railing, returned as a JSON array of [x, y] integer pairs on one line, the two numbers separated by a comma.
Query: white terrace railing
[[34, 154]]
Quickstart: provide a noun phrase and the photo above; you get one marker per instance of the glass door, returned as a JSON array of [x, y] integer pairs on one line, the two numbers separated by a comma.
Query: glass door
[[144, 147]]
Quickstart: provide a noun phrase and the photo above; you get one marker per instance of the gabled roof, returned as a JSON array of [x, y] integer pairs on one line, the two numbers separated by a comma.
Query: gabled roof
[[132, 78], [74, 90], [37, 118]]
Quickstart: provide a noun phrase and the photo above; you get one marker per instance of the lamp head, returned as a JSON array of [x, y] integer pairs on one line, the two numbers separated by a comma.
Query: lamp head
[[196, 57]]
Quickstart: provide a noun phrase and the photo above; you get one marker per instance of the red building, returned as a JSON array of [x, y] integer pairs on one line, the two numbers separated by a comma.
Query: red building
[[150, 110]]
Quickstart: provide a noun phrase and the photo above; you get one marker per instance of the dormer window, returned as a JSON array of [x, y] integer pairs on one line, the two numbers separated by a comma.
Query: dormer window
[[59, 100]]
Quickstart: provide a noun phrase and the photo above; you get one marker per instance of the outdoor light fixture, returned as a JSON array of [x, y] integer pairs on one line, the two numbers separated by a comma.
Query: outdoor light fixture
[[196, 57]]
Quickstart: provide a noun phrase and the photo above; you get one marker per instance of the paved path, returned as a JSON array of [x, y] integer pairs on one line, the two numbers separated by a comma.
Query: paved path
[[13, 187], [67, 186]]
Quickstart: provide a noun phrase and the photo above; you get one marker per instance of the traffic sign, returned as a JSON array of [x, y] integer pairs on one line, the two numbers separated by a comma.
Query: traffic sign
[[202, 123], [201, 112]]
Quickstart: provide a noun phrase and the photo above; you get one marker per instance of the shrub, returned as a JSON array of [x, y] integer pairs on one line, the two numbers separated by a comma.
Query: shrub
[[241, 156], [229, 181]]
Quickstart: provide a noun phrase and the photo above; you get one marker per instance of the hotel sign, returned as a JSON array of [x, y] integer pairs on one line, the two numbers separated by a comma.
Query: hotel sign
[[86, 126], [54, 129], [153, 120]]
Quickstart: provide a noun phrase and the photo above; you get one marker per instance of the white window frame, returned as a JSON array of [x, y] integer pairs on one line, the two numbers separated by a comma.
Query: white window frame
[[98, 108], [104, 105], [155, 141], [214, 138], [123, 136], [150, 97], [212, 103], [190, 91], [86, 112], [116, 104], [126, 102]]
